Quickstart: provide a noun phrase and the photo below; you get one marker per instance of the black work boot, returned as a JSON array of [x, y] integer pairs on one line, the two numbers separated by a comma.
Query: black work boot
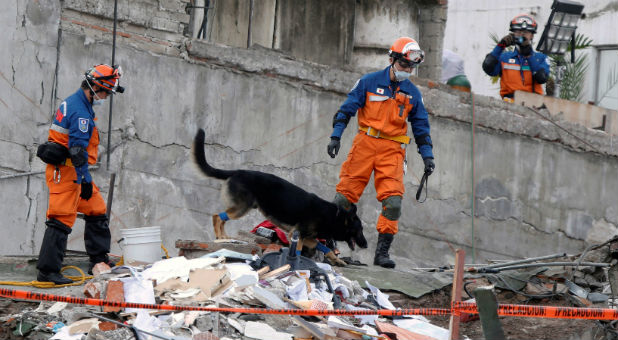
[[381, 257], [52, 253], [97, 239]]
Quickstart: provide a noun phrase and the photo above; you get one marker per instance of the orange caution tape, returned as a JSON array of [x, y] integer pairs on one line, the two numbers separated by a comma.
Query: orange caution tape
[[551, 312], [457, 307], [20, 294]]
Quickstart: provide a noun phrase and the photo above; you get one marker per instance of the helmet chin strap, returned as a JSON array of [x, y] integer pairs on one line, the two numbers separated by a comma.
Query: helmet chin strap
[[93, 93]]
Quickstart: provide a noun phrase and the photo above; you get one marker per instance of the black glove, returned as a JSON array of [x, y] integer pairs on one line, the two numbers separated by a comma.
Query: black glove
[[86, 190], [507, 40], [429, 165], [333, 147], [525, 49]]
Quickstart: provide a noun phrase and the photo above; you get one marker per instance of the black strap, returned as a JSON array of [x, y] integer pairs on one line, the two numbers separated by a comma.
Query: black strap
[[420, 187]]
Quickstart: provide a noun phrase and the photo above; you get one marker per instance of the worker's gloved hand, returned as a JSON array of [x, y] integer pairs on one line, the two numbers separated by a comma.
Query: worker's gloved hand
[[86, 190], [525, 48], [429, 165], [333, 147], [507, 40]]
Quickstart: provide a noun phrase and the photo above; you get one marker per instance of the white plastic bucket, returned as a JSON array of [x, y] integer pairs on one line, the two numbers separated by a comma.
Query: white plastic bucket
[[141, 244]]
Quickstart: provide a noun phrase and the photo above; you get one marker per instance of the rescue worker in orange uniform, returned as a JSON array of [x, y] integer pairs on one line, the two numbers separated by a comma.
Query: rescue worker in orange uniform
[[385, 101], [71, 188], [523, 68]]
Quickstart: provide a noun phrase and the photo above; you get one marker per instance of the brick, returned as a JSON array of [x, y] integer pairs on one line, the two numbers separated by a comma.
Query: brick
[[271, 248], [100, 268], [115, 292], [107, 326], [205, 336], [93, 290]]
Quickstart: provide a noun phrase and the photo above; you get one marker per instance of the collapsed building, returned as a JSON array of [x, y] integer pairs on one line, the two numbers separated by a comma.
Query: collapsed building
[[510, 182]]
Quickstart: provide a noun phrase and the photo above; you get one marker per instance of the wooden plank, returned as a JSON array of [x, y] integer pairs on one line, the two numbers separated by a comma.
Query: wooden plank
[[460, 256], [276, 272]]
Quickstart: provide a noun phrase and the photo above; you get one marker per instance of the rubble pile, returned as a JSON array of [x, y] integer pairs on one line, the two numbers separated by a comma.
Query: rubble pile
[[265, 275], [223, 279]]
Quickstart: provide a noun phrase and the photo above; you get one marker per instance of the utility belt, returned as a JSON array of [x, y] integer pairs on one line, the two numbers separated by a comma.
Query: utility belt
[[371, 132], [54, 153]]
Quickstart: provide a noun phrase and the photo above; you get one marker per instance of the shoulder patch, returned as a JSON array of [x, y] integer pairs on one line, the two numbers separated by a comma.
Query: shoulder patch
[[511, 61], [379, 91], [83, 124], [61, 112]]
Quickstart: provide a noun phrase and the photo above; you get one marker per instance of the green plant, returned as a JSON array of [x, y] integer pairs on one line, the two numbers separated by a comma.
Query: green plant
[[572, 82]]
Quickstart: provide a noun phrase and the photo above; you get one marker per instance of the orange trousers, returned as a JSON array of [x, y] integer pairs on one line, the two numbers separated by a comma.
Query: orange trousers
[[382, 157], [64, 200]]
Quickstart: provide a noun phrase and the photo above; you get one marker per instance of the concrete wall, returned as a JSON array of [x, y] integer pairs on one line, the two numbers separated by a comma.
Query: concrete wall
[[350, 34], [537, 189]]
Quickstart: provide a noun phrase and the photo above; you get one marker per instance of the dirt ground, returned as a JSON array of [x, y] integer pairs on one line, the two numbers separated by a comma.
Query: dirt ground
[[513, 327]]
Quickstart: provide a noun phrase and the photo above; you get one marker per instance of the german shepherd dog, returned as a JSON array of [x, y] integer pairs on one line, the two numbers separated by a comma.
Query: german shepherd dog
[[283, 203]]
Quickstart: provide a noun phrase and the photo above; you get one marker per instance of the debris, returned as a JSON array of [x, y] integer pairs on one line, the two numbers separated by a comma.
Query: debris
[[262, 331], [115, 292]]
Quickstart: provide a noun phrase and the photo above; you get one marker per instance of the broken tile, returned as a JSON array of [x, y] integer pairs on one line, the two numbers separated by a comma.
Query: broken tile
[[171, 285], [401, 333], [262, 331], [83, 326], [347, 335], [267, 298], [209, 281], [335, 322], [423, 328], [56, 307]]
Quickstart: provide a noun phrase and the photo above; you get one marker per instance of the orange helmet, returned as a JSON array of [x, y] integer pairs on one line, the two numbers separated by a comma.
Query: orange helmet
[[106, 77], [524, 22], [407, 49]]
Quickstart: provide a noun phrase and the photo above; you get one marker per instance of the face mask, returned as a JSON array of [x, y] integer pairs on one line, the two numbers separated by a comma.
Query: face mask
[[402, 75], [96, 101]]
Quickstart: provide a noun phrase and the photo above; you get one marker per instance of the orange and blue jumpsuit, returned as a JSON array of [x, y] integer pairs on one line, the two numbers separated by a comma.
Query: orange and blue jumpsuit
[[517, 72], [384, 109], [73, 125]]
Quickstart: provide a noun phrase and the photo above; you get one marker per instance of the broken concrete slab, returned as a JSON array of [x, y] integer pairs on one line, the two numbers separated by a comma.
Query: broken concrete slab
[[412, 283]]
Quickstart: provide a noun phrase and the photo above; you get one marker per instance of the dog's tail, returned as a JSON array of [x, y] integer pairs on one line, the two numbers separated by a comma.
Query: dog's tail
[[200, 158]]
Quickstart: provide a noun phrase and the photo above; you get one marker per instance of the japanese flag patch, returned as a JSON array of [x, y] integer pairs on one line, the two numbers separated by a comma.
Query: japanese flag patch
[[83, 125], [380, 91]]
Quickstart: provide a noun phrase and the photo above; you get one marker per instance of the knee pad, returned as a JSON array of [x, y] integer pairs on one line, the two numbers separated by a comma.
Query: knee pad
[[342, 201], [391, 208]]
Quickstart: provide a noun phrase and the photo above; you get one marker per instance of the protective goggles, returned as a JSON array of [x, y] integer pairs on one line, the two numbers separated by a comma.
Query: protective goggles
[[411, 58]]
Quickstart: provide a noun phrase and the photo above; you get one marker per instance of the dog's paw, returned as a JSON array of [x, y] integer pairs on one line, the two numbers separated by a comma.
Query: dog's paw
[[334, 260]]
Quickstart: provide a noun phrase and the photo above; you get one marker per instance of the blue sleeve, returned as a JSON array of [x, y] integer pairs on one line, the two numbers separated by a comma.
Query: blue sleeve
[[420, 125], [80, 130], [539, 61], [355, 100], [496, 52]]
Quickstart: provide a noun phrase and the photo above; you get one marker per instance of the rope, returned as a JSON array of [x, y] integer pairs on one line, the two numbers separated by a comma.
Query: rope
[[78, 280]]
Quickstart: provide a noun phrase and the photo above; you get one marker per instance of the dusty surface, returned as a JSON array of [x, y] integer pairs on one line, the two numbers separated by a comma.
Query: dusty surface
[[514, 327]]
